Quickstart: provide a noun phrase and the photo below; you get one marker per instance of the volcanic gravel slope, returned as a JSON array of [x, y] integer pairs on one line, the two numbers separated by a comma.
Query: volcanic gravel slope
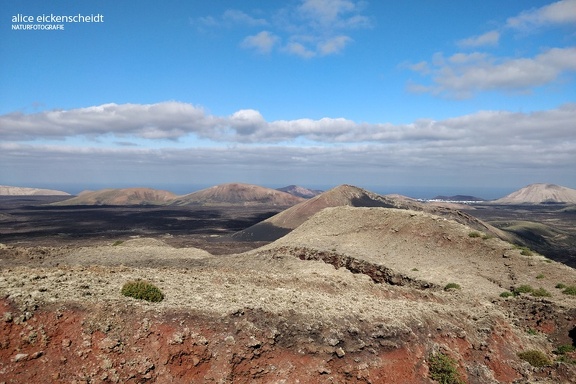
[[353, 295]]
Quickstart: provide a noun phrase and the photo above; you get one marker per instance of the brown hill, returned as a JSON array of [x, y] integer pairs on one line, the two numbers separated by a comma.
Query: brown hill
[[347, 195], [238, 194], [6, 190], [540, 194], [125, 196]]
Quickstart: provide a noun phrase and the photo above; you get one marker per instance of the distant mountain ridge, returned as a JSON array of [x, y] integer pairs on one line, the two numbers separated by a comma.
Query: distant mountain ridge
[[540, 193], [238, 194], [299, 191], [232, 194], [6, 190], [122, 196]]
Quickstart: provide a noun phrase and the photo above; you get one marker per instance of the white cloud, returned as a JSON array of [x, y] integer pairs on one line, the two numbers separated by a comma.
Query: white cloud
[[487, 39], [462, 75], [330, 14], [262, 42], [299, 49], [313, 28], [560, 12], [333, 45], [235, 16]]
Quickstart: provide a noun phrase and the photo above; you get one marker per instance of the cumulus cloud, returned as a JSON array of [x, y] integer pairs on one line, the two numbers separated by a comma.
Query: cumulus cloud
[[487, 39], [560, 12], [462, 75], [262, 42], [168, 120]]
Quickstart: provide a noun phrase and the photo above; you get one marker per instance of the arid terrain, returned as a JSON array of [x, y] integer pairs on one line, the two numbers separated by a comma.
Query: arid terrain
[[352, 294]]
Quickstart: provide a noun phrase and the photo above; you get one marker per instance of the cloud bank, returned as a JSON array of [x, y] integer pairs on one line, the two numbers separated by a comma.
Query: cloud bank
[[497, 142]]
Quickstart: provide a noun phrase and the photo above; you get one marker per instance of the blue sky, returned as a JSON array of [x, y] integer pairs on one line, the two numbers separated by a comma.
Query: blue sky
[[444, 95]]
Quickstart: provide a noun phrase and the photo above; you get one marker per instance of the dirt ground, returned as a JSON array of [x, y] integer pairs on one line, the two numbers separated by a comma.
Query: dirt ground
[[354, 295]]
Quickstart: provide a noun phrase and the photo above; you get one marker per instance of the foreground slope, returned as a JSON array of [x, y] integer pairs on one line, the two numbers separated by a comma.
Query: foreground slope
[[238, 194], [122, 196], [351, 295], [540, 194]]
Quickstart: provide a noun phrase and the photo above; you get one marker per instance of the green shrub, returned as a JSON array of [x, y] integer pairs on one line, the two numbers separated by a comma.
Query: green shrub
[[474, 234], [142, 290], [540, 276], [526, 252], [506, 294], [535, 358], [560, 286], [117, 242], [571, 290], [451, 286], [540, 292], [442, 368], [566, 348], [522, 289]]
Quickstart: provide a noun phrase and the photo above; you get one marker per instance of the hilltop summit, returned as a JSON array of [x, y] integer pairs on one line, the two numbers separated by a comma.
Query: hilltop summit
[[540, 194], [238, 194], [283, 222]]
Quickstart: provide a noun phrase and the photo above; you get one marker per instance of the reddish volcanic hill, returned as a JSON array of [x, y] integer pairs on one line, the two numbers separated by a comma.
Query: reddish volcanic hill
[[239, 195], [126, 196], [540, 194], [282, 223]]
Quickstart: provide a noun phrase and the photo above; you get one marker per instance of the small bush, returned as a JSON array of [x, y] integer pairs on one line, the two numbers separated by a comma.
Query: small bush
[[571, 290], [506, 294], [142, 290], [535, 358], [540, 276], [474, 234], [117, 242], [522, 289], [540, 292], [566, 348], [526, 252], [560, 286], [451, 286], [442, 368]]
